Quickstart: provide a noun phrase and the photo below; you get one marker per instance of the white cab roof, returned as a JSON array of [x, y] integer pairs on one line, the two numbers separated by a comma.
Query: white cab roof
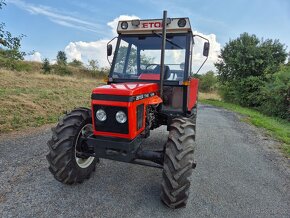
[[149, 26]]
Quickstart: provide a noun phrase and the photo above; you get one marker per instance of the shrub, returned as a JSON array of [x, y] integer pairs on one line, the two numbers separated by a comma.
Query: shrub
[[62, 70], [208, 82], [46, 66], [276, 94]]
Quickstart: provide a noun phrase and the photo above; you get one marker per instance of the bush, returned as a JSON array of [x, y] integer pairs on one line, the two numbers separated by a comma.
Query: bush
[[62, 70], [208, 82], [12, 64], [248, 91], [46, 66], [276, 94]]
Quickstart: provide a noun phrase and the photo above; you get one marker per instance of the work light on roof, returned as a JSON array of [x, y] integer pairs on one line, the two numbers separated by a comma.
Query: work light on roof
[[135, 22], [181, 22], [124, 25]]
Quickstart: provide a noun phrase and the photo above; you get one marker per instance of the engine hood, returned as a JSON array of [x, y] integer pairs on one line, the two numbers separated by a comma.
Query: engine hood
[[126, 89]]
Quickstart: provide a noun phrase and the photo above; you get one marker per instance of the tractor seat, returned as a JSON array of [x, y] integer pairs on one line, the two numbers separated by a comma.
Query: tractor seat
[[155, 73]]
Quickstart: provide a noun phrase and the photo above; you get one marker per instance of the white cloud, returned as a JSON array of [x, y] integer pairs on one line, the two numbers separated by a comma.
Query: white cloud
[[96, 50], [198, 57], [36, 56], [113, 24], [85, 51]]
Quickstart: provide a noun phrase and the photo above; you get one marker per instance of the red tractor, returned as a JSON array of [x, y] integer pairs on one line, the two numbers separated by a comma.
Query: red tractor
[[150, 84]]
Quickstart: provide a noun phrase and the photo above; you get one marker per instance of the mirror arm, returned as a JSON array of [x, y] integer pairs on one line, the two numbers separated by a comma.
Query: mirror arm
[[206, 57], [107, 46], [201, 65]]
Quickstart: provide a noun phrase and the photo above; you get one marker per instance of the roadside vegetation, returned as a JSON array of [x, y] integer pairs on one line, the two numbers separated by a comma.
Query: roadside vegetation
[[34, 99], [253, 80]]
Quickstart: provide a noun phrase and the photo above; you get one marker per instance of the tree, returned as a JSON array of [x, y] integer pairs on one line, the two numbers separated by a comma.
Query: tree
[[93, 64], [76, 63], [276, 94], [208, 81], [245, 65], [46, 66], [249, 56], [9, 45], [61, 58]]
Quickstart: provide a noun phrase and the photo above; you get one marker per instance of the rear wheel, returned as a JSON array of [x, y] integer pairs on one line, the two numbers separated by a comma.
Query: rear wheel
[[178, 163], [66, 162]]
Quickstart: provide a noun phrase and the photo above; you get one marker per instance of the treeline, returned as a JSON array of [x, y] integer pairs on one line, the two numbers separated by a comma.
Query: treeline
[[252, 73], [62, 67]]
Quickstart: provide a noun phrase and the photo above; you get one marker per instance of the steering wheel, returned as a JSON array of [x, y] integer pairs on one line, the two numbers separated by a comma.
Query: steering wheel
[[150, 65]]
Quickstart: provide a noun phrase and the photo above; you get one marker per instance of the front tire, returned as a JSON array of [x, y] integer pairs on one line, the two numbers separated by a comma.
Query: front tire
[[178, 163], [64, 161]]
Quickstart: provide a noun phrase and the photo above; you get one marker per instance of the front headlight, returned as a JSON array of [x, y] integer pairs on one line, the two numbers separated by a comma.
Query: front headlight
[[121, 117], [101, 115]]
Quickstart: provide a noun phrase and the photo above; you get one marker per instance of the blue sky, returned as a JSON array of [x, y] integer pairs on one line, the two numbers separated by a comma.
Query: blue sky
[[51, 25]]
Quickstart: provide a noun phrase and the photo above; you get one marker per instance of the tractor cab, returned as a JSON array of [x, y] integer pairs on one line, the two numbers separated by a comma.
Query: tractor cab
[[150, 84], [137, 58]]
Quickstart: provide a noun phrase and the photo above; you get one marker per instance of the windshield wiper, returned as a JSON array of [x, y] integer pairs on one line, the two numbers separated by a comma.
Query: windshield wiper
[[168, 40]]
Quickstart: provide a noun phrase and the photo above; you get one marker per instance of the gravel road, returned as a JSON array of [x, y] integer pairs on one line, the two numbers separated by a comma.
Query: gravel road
[[238, 174]]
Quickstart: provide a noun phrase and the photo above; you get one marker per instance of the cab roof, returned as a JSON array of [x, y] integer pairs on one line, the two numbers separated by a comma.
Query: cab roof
[[174, 25]]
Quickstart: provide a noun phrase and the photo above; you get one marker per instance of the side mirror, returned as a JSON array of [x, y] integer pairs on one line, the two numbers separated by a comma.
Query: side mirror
[[206, 49], [109, 49]]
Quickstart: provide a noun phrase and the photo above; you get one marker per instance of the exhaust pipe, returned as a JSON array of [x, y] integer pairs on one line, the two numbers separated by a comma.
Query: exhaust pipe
[[163, 52]]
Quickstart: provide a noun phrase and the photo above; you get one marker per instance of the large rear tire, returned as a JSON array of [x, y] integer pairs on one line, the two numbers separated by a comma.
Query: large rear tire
[[178, 163], [64, 161]]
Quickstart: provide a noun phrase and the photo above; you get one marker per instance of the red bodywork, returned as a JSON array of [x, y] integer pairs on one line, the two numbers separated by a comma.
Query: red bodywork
[[127, 89], [192, 91], [135, 89]]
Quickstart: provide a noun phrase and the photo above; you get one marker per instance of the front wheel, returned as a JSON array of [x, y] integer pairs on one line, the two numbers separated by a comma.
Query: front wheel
[[66, 162], [178, 163]]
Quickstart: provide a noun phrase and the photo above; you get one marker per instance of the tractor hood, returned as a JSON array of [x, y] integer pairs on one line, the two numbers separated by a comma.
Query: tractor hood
[[127, 89]]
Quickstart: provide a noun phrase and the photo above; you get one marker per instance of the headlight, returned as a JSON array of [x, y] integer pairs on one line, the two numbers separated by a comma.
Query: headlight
[[181, 22], [121, 117], [101, 115], [124, 25]]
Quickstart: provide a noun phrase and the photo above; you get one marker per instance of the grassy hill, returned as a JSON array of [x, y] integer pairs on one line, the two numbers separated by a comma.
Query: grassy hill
[[30, 99]]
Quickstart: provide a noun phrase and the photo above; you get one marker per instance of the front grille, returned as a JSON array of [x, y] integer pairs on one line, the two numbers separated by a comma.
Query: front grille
[[140, 113], [110, 124]]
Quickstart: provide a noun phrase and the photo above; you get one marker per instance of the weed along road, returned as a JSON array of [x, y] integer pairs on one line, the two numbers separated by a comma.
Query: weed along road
[[238, 174]]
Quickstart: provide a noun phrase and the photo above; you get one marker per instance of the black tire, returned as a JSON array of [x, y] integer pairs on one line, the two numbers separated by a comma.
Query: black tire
[[62, 159], [178, 163]]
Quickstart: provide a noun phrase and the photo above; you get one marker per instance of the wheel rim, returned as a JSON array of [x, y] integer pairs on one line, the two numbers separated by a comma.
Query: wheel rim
[[84, 162]]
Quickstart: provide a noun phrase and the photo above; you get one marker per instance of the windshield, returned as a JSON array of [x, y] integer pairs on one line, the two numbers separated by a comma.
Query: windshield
[[138, 57]]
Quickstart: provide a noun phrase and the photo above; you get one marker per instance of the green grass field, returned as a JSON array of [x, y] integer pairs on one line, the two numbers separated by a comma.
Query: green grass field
[[34, 99]]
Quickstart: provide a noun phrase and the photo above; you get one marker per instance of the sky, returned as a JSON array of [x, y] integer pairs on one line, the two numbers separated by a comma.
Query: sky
[[83, 28]]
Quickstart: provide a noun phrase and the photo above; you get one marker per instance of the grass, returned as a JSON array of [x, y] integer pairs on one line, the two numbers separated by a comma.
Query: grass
[[277, 128], [34, 99]]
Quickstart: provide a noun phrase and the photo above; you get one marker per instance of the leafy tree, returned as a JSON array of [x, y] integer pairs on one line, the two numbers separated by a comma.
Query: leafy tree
[[46, 66], [208, 81], [93, 64], [276, 94], [9, 45], [61, 58], [245, 65], [249, 56], [76, 63]]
